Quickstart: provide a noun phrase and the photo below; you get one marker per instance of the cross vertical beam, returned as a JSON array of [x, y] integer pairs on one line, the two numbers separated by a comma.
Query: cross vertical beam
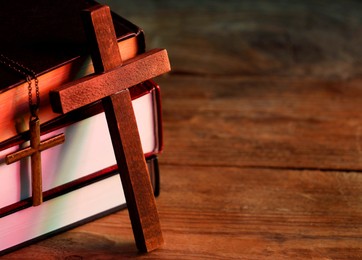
[[133, 170], [102, 40], [36, 176]]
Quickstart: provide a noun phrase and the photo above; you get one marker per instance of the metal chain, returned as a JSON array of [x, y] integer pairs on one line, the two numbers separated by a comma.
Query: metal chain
[[29, 75]]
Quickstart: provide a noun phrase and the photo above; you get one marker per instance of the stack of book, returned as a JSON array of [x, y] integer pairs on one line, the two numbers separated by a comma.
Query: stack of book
[[80, 177]]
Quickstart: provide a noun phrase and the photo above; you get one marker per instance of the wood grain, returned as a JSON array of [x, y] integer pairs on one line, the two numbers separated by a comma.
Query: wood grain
[[104, 85], [262, 133], [102, 40], [133, 171], [134, 71], [34, 151], [274, 122]]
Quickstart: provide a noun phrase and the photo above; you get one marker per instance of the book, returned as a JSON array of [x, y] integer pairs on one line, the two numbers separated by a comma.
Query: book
[[87, 150], [55, 49], [73, 208], [75, 173], [78, 166]]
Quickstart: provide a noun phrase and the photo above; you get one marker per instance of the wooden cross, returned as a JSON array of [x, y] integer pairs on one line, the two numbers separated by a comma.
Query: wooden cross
[[110, 84], [34, 150]]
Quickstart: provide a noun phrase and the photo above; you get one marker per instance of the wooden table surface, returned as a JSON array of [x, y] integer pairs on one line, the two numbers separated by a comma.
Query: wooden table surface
[[262, 129]]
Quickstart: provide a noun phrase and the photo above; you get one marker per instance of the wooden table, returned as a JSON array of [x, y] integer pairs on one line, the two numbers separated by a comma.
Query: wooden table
[[263, 134]]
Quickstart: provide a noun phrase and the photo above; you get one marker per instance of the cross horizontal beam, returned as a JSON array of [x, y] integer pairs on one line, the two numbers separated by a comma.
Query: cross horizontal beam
[[28, 151], [97, 86]]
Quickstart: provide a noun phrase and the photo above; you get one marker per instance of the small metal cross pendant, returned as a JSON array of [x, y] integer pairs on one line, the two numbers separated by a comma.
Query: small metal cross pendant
[[34, 150]]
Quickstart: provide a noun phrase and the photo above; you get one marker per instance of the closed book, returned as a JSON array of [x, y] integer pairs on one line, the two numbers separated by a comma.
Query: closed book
[[89, 201], [86, 158], [49, 39]]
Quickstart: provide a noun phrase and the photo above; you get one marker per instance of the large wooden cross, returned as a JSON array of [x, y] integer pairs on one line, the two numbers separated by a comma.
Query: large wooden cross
[[110, 84]]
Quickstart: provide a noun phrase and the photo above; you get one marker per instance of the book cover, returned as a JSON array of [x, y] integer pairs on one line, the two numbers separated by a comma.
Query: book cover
[[87, 150], [54, 47], [74, 207], [81, 181]]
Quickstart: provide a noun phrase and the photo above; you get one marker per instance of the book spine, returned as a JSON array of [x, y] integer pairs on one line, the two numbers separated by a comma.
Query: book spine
[[85, 204], [86, 112], [87, 149], [152, 164]]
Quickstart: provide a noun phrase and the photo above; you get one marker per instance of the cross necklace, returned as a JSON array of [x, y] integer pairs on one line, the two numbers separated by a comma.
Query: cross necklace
[[36, 146]]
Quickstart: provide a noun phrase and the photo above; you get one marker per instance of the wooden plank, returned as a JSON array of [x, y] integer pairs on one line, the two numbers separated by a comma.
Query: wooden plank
[[242, 38], [266, 122], [259, 213]]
